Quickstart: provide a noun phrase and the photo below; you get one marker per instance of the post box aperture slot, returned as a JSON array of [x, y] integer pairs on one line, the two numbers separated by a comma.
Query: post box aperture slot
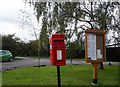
[[59, 47], [58, 40]]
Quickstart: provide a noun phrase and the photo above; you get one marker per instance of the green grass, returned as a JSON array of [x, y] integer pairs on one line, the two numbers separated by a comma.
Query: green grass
[[75, 75]]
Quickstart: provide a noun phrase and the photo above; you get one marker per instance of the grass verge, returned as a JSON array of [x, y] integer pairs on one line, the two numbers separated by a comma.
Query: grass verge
[[75, 75]]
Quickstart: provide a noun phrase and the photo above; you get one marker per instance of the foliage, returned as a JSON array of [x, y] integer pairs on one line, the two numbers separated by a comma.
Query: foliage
[[28, 21], [20, 48], [44, 39], [95, 15], [73, 18], [75, 49], [10, 43]]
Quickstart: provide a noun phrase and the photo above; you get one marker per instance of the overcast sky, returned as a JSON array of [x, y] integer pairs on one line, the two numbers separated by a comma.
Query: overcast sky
[[9, 17], [9, 13]]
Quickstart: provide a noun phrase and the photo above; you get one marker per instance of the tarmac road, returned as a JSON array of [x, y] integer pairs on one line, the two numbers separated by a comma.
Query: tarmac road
[[25, 62]]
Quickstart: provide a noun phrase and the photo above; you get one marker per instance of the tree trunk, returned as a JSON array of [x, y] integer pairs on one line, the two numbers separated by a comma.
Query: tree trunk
[[70, 61], [101, 66], [38, 59]]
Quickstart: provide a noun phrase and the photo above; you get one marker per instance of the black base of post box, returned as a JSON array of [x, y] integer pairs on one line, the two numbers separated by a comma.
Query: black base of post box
[[94, 81]]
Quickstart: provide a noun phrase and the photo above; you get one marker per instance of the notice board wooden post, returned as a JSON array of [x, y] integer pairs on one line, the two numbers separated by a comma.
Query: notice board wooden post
[[95, 49], [95, 65]]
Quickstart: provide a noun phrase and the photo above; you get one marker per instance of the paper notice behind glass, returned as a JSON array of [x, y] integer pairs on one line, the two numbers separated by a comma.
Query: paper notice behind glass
[[91, 46], [59, 55], [99, 55]]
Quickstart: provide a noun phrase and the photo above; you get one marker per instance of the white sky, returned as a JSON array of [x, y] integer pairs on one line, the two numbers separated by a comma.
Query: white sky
[[9, 13]]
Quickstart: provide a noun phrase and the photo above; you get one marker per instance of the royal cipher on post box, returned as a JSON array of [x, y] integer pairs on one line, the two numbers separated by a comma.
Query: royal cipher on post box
[[57, 50]]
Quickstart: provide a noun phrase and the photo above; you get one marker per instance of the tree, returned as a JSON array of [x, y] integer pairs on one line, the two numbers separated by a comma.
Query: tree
[[9, 42], [94, 15], [0, 41], [26, 22], [44, 39], [73, 18], [18, 47]]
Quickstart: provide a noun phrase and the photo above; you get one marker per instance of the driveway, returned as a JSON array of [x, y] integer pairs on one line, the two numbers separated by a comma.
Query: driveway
[[25, 62]]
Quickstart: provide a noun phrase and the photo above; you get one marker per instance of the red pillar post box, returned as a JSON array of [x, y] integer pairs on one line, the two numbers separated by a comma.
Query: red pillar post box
[[57, 50]]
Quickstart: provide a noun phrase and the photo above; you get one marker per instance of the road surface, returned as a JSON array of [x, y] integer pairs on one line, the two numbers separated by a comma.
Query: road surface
[[25, 62]]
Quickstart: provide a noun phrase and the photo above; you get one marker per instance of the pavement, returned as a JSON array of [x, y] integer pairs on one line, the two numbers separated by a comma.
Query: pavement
[[25, 62]]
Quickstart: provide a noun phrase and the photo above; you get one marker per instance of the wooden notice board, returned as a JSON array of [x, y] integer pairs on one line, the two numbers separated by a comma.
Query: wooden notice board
[[95, 46]]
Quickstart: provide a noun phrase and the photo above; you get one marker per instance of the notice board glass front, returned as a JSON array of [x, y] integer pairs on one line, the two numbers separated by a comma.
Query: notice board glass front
[[95, 46]]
